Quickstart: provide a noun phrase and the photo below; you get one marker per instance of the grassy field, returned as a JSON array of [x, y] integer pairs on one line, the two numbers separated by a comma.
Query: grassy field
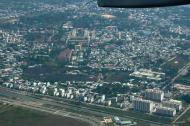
[[16, 116]]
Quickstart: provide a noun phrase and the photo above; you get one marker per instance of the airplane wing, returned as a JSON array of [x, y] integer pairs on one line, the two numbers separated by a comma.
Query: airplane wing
[[141, 3]]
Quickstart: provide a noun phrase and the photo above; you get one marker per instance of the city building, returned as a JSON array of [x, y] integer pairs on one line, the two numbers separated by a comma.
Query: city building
[[108, 103], [154, 94], [119, 122], [103, 97], [173, 104], [166, 111], [143, 105]]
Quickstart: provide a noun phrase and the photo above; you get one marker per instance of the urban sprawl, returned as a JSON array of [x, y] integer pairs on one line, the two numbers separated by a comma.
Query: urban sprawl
[[97, 56]]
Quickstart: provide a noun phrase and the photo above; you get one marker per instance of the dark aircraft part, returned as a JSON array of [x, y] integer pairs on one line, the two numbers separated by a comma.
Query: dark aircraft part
[[141, 3]]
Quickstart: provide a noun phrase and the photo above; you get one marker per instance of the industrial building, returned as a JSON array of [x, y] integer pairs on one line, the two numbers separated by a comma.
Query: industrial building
[[154, 94], [143, 105], [166, 111], [119, 122]]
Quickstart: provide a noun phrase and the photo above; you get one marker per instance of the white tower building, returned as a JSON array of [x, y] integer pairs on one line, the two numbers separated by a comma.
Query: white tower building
[[143, 105]]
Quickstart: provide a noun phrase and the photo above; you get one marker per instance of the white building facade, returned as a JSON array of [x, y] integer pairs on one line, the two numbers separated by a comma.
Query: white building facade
[[143, 105], [154, 94]]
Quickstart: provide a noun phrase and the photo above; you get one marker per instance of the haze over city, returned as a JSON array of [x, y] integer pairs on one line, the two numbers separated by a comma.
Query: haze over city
[[72, 63]]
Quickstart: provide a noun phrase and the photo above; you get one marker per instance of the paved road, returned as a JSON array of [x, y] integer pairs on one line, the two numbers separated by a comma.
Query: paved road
[[45, 105], [167, 61], [181, 115], [180, 72], [63, 113], [61, 107]]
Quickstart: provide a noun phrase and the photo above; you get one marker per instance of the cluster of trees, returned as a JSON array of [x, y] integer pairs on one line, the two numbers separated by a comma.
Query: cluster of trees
[[111, 90], [186, 98]]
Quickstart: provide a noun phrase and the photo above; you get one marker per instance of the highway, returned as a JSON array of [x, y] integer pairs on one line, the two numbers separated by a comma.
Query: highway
[[41, 105], [187, 109], [59, 106], [63, 113], [181, 72], [169, 60]]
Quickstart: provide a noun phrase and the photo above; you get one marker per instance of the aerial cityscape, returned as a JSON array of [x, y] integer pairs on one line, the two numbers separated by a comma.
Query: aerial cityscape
[[95, 66]]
